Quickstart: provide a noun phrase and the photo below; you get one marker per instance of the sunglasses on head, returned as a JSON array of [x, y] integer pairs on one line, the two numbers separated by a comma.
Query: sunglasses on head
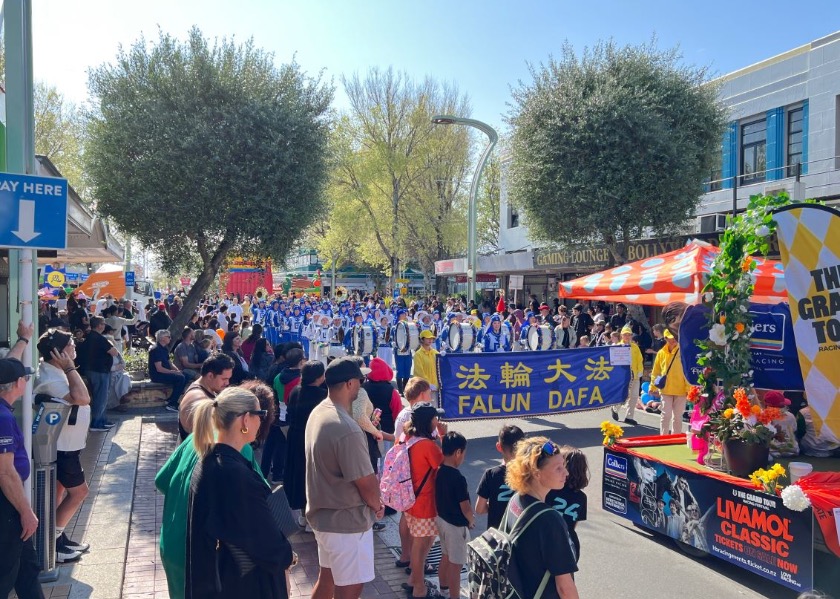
[[547, 449], [261, 413]]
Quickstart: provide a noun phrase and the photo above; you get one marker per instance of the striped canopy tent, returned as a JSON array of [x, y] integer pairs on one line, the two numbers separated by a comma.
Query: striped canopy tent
[[676, 276]]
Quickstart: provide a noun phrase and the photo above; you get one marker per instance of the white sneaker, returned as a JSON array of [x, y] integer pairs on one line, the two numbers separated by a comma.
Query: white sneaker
[[63, 555], [302, 521]]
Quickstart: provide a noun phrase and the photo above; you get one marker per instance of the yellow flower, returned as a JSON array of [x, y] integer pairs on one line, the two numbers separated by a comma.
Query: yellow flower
[[755, 480], [727, 413], [779, 469]]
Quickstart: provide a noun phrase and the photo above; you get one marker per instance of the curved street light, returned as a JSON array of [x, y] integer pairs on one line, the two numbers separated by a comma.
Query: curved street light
[[445, 119]]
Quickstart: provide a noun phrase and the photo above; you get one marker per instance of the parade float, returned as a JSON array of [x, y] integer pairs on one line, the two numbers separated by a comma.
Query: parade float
[[716, 491]]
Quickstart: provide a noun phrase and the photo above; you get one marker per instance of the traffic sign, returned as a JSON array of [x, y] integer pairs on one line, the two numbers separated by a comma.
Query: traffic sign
[[33, 212], [129, 278]]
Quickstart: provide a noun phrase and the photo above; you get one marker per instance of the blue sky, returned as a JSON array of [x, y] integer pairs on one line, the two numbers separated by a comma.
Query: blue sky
[[484, 47]]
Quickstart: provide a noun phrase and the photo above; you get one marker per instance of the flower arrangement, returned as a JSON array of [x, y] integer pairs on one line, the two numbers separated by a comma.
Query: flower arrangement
[[794, 498], [612, 432], [745, 421], [768, 480]]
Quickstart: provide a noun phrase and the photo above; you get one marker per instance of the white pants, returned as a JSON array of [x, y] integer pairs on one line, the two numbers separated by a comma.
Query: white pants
[[348, 556], [670, 421]]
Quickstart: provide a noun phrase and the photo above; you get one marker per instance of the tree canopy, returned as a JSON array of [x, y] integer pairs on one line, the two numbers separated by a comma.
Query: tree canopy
[[612, 143], [206, 150]]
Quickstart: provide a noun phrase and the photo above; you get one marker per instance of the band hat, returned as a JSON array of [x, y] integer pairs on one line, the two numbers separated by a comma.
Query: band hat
[[12, 369]]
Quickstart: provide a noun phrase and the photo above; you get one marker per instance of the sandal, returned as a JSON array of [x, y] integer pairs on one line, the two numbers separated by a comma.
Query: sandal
[[400, 564]]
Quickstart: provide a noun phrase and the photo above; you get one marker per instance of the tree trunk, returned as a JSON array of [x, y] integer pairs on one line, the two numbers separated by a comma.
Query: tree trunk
[[209, 271]]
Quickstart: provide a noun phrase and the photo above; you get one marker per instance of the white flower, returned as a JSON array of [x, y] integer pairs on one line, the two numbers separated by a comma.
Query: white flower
[[708, 296], [709, 354], [717, 334], [763, 231], [794, 498], [752, 420], [743, 309]]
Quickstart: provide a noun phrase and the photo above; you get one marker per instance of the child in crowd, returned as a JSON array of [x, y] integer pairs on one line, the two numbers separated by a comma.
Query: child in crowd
[[570, 501], [493, 492], [455, 516], [584, 341], [784, 443]]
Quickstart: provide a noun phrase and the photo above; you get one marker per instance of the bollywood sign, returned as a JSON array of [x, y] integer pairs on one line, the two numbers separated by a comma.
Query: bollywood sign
[[752, 530], [517, 384]]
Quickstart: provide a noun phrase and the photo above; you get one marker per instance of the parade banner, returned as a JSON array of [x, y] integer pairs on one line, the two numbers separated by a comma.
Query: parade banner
[[772, 345], [517, 384], [809, 240], [752, 530]]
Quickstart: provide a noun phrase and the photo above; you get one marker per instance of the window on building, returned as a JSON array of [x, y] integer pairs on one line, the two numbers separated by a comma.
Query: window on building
[[513, 217], [794, 145], [753, 151], [715, 180]]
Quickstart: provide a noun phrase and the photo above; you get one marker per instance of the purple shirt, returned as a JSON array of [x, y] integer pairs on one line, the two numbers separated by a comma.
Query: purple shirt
[[11, 440]]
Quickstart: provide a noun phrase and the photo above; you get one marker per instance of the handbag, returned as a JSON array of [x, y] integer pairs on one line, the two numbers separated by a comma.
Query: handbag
[[278, 503], [659, 382]]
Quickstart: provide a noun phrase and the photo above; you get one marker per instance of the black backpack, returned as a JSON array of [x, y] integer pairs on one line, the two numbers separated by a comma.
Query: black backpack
[[492, 571]]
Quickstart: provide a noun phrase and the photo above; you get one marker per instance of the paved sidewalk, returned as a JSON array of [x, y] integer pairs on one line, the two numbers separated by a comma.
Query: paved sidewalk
[[122, 515]]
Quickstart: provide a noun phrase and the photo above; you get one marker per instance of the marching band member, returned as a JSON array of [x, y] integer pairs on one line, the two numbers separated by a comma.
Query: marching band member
[[307, 333], [444, 335], [384, 349], [497, 337], [295, 322], [270, 323], [402, 358], [437, 328], [533, 321], [335, 339]]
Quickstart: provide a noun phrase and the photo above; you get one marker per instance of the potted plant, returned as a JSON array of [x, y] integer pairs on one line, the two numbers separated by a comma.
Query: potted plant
[[137, 365]]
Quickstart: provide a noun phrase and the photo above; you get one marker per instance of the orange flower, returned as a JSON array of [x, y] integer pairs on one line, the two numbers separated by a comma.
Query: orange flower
[[722, 319], [693, 393], [756, 410], [746, 264], [739, 327], [739, 394], [768, 415]]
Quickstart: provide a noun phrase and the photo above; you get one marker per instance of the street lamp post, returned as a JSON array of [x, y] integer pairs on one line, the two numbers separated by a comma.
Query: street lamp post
[[493, 137]]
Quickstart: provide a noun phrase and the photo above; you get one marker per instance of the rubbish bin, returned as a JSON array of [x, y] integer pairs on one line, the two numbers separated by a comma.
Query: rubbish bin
[[47, 423]]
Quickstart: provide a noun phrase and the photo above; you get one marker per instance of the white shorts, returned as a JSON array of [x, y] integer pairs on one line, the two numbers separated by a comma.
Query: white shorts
[[348, 555]]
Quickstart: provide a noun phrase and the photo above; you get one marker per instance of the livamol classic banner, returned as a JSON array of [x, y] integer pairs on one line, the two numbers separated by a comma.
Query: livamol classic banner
[[498, 385], [744, 527], [809, 240]]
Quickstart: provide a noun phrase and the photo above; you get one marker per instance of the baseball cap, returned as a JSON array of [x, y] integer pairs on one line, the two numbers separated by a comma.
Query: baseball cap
[[426, 334], [626, 329], [775, 399], [11, 369], [424, 412], [342, 370], [668, 334]]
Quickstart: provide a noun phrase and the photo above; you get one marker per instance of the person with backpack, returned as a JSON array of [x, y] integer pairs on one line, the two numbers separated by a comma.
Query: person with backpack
[[531, 555], [425, 457]]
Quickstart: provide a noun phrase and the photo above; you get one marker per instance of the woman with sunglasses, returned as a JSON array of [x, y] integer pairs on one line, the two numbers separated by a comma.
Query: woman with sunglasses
[[543, 556], [234, 548]]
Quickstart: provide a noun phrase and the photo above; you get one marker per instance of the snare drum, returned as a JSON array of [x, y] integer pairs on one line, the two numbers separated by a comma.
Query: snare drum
[[407, 336], [540, 338], [462, 337], [363, 339]]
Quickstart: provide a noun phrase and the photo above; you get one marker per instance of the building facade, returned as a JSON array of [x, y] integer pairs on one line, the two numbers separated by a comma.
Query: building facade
[[783, 134]]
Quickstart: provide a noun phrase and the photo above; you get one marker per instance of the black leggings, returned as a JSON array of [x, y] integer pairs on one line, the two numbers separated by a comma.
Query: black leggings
[[19, 566]]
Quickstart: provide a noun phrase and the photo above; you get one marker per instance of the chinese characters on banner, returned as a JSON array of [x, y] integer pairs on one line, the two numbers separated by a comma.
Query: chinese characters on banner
[[476, 385]]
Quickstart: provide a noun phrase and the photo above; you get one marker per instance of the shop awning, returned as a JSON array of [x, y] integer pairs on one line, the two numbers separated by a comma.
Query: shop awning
[[676, 276]]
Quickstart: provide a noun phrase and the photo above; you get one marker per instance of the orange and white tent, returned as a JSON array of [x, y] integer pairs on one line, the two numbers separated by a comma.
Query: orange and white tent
[[676, 276]]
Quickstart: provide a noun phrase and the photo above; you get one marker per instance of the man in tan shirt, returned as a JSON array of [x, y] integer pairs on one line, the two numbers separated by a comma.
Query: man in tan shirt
[[342, 491]]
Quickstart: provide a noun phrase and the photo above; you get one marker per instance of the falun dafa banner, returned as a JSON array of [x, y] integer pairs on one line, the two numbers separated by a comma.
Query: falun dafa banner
[[809, 240], [522, 384]]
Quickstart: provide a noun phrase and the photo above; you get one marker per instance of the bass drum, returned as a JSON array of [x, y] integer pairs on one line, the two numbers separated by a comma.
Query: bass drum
[[462, 336], [407, 336], [363, 339], [540, 338]]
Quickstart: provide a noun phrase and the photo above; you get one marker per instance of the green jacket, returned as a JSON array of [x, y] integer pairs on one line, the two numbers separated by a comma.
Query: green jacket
[[173, 480]]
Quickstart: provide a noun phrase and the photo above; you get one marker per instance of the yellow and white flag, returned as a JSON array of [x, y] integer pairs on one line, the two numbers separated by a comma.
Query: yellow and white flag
[[809, 239]]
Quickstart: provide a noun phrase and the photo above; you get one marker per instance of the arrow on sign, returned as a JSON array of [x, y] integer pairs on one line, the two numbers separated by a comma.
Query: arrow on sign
[[26, 221]]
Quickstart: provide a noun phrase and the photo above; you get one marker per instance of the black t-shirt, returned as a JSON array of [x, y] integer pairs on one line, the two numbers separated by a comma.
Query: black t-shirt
[[159, 353], [493, 488], [572, 506], [450, 491], [545, 545], [98, 358]]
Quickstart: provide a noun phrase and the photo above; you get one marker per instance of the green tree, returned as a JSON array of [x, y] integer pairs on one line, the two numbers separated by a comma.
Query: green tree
[[611, 143], [390, 159], [203, 151], [60, 134]]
